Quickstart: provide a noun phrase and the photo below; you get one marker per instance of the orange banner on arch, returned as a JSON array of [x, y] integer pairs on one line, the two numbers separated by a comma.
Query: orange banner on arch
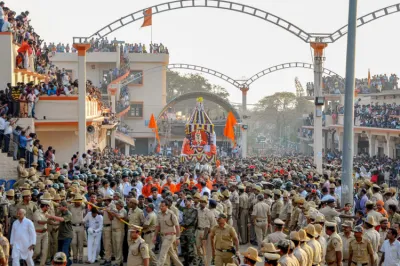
[[148, 15]]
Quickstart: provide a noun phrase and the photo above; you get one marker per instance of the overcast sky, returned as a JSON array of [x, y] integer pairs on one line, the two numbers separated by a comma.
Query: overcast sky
[[235, 44]]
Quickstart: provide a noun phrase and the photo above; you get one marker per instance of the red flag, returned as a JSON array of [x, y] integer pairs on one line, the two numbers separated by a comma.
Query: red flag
[[152, 123], [147, 21], [229, 131]]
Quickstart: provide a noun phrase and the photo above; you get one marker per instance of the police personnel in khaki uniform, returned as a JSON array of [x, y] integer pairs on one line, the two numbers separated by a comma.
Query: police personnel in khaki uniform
[[118, 231], [278, 234], [334, 249], [234, 199], [26, 204], [286, 212], [77, 209], [360, 249], [259, 218], [243, 215], [149, 227], [228, 206], [204, 224], [52, 226], [42, 236], [135, 215], [107, 230], [314, 244], [224, 240], [346, 236], [277, 206], [138, 249], [168, 226]]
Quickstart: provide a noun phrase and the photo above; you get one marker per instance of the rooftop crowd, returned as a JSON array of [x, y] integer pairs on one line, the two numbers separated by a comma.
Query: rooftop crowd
[[377, 115]]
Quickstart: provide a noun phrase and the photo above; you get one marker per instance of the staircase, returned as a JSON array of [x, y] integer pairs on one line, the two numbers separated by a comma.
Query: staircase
[[8, 167]]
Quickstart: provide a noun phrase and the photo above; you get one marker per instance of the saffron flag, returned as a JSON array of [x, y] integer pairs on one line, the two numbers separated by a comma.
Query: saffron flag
[[229, 131], [152, 123], [369, 78], [147, 19]]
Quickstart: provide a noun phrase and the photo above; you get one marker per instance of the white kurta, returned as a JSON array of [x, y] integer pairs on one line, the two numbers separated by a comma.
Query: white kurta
[[95, 228], [23, 235]]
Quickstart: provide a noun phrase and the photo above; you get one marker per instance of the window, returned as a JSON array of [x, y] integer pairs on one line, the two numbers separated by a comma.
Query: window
[[138, 78], [136, 110]]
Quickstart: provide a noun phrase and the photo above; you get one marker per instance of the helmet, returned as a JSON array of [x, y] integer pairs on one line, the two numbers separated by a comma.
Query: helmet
[[61, 186], [55, 186], [61, 179], [75, 177]]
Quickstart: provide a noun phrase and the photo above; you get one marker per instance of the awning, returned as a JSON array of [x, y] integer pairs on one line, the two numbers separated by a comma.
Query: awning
[[124, 138]]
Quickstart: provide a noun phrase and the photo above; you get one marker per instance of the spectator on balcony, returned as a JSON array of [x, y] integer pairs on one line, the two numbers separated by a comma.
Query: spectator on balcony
[[23, 105], [23, 54], [52, 89], [23, 142], [31, 98], [15, 93], [8, 26], [1, 14], [7, 133], [40, 158]]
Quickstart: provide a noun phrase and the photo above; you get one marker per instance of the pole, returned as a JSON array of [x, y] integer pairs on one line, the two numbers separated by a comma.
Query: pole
[[244, 131], [348, 137]]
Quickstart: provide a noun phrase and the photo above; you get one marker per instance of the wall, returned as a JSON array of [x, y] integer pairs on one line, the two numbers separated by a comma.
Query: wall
[[7, 60], [64, 142]]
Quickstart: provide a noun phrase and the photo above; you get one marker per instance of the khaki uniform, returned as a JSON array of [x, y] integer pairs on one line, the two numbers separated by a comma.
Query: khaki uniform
[[138, 251], [310, 253], [376, 196], [136, 217], [345, 243], [260, 212], [223, 243], [205, 219], [118, 232], [148, 234], [228, 206], [107, 234], [294, 219], [329, 213], [42, 236], [360, 251], [78, 229], [276, 209], [382, 238], [175, 210], [286, 211], [53, 231], [167, 222], [373, 236], [244, 217], [317, 251], [377, 216], [234, 199], [30, 209], [287, 260], [334, 244], [395, 218], [322, 241], [275, 237], [301, 256], [388, 202]]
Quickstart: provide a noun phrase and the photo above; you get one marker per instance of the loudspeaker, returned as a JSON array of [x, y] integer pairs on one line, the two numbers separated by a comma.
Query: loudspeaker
[[90, 129]]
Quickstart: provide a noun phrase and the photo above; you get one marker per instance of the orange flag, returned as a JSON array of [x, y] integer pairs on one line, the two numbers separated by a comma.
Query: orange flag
[[369, 78], [229, 131], [152, 123], [147, 21]]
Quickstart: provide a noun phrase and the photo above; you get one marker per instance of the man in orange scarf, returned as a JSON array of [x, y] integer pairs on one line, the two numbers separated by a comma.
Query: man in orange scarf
[[146, 190], [170, 185]]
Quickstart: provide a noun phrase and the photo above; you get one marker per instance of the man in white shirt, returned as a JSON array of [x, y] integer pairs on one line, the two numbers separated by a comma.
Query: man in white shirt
[[125, 186], [94, 223], [2, 128], [23, 239], [390, 249]]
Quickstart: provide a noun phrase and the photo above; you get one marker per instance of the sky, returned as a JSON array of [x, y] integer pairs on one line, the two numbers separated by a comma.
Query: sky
[[236, 44]]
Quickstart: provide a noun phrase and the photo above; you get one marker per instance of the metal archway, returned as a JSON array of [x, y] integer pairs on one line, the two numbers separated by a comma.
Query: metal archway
[[179, 4], [206, 95], [226, 78], [285, 66], [361, 21]]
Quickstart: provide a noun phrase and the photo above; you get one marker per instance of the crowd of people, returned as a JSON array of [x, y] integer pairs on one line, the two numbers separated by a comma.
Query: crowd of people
[[377, 115], [151, 210]]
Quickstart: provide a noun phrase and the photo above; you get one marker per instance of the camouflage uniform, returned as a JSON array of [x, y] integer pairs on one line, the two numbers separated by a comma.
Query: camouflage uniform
[[188, 239]]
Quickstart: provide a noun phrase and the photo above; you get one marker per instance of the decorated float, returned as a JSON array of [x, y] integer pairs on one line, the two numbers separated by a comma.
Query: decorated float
[[199, 145]]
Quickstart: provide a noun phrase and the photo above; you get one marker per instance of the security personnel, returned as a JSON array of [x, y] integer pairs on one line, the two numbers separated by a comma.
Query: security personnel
[[298, 252], [243, 215], [135, 215], [277, 206], [224, 240], [259, 219], [42, 236], [228, 205], [303, 244], [206, 221], [189, 224], [360, 249], [234, 199], [107, 230], [271, 259], [334, 255], [77, 209], [286, 212], [52, 225], [26, 204], [278, 234], [329, 211], [297, 203], [372, 235], [149, 227], [286, 259], [314, 244], [168, 226], [118, 231], [138, 249], [346, 236]]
